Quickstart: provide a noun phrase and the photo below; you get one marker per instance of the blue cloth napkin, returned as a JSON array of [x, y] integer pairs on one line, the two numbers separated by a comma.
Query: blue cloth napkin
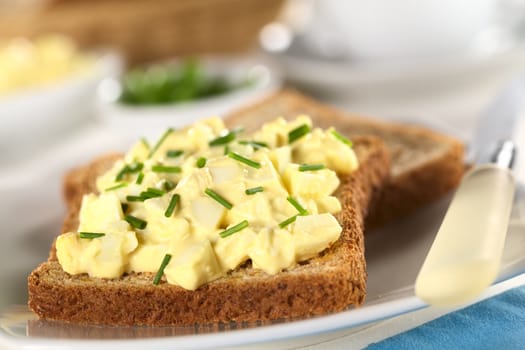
[[495, 323]]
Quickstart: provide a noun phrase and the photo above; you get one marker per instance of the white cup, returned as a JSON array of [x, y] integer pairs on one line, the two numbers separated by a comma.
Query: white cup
[[401, 29]]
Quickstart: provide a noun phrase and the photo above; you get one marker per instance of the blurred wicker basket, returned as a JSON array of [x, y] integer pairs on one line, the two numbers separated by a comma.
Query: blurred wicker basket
[[148, 29]]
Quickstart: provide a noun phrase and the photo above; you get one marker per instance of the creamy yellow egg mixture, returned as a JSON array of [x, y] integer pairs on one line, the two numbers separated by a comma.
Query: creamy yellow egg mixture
[[203, 200], [28, 63]]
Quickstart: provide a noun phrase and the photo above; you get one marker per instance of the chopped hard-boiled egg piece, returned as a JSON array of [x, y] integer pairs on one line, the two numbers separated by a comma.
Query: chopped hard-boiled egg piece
[[272, 250], [102, 214], [310, 184], [193, 265], [103, 257], [232, 251], [312, 231]]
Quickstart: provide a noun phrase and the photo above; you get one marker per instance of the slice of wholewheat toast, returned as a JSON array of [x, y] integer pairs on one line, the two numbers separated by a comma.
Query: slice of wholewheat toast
[[425, 164], [330, 282]]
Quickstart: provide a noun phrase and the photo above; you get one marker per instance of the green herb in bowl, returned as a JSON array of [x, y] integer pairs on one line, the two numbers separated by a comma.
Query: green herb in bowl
[[171, 83]]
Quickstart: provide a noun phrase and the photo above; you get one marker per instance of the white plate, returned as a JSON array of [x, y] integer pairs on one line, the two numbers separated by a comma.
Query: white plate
[[394, 254]]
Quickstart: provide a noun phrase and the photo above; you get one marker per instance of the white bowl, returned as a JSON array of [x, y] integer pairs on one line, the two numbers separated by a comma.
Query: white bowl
[[35, 118], [149, 121]]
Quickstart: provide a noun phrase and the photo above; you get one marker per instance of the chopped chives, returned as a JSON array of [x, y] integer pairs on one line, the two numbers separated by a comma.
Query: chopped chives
[[165, 169], [91, 235], [140, 177], [201, 162], [135, 198], [297, 205], [155, 191], [151, 193], [117, 186], [342, 138], [221, 200], [254, 190], [135, 167], [223, 140], [148, 195], [311, 167], [159, 142], [173, 203], [234, 229], [128, 169], [145, 195], [174, 153], [254, 144], [160, 272], [244, 160], [287, 222], [168, 185], [124, 207], [298, 132], [136, 222]]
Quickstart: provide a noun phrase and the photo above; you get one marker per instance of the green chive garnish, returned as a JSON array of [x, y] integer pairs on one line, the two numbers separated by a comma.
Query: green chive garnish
[[155, 191], [116, 187], [254, 190], [311, 167], [222, 201], [122, 172], [174, 153], [223, 140], [159, 142], [140, 177], [135, 198], [160, 272], [145, 195], [254, 144], [129, 169], [234, 229], [165, 169], [244, 160], [298, 132], [136, 222], [91, 235], [297, 205], [201, 162], [168, 185], [173, 203], [151, 193], [124, 207], [342, 138], [287, 221]]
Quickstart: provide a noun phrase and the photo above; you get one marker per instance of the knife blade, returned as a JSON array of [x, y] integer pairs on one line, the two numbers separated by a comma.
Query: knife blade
[[465, 256]]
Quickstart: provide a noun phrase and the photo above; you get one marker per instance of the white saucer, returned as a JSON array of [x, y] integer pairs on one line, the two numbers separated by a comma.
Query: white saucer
[[338, 73]]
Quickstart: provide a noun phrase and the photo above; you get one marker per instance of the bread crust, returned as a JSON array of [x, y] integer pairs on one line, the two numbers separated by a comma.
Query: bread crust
[[328, 283], [426, 164]]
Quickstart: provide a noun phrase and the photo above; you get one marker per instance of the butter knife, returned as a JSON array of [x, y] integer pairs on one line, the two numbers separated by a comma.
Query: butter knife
[[465, 256]]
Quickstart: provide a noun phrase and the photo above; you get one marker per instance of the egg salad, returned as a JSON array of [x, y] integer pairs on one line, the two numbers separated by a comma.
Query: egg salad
[[28, 63], [204, 200]]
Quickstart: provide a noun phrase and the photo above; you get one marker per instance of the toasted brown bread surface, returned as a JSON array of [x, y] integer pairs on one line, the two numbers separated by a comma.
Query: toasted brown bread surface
[[425, 164], [331, 282]]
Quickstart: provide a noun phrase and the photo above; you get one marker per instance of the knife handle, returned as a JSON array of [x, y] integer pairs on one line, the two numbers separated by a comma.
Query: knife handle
[[465, 256]]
